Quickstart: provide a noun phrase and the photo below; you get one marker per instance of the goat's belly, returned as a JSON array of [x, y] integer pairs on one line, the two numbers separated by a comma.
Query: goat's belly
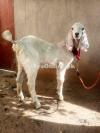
[[48, 65]]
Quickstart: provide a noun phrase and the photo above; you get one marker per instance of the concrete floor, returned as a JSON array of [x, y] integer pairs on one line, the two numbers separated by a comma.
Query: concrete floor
[[79, 113]]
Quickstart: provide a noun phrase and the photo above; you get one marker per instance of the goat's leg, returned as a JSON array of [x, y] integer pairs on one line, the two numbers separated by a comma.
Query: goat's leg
[[31, 86], [60, 81], [61, 70], [19, 80]]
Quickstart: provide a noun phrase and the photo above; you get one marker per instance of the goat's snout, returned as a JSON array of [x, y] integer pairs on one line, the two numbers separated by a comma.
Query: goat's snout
[[76, 34]]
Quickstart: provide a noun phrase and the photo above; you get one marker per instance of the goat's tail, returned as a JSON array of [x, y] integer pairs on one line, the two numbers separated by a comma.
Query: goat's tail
[[7, 35]]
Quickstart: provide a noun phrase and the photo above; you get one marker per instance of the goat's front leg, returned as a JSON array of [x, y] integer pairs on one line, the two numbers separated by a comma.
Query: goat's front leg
[[61, 70], [60, 81], [19, 80]]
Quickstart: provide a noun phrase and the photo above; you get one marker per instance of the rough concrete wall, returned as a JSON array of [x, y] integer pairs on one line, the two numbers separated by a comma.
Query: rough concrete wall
[[51, 20]]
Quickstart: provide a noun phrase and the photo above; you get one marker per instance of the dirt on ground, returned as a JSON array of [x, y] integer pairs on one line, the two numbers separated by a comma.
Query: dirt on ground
[[79, 113]]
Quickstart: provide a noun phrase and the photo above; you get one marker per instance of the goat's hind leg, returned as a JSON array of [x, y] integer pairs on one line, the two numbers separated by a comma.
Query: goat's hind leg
[[31, 76], [19, 80]]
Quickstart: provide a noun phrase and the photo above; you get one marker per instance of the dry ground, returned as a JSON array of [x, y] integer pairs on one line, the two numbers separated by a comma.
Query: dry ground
[[79, 113]]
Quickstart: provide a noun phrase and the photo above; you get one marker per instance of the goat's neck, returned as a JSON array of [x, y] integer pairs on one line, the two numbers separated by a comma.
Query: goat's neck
[[76, 43]]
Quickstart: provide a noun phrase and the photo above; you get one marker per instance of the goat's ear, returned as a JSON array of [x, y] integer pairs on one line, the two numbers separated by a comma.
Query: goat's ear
[[84, 40], [69, 44]]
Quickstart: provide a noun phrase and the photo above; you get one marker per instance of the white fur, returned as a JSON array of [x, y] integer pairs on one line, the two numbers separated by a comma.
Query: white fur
[[83, 40], [32, 51]]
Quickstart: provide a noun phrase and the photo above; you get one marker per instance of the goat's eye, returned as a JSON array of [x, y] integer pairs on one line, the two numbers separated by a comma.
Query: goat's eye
[[72, 28], [82, 28]]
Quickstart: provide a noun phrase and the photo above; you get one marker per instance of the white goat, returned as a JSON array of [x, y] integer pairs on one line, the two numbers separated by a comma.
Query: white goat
[[32, 51]]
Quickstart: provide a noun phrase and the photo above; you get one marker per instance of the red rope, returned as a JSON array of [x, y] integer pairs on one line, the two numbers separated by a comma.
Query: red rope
[[91, 86]]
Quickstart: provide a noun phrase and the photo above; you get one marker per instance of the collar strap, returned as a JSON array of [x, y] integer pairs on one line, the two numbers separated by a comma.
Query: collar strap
[[76, 53]]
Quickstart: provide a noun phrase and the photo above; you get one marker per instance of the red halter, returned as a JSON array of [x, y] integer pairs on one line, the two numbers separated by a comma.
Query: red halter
[[74, 50], [76, 53]]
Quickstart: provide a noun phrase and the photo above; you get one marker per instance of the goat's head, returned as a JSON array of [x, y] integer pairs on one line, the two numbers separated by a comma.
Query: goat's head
[[77, 31], [77, 37]]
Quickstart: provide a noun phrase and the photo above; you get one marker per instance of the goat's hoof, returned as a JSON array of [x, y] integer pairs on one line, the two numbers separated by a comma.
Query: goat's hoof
[[60, 98], [21, 100], [37, 105]]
